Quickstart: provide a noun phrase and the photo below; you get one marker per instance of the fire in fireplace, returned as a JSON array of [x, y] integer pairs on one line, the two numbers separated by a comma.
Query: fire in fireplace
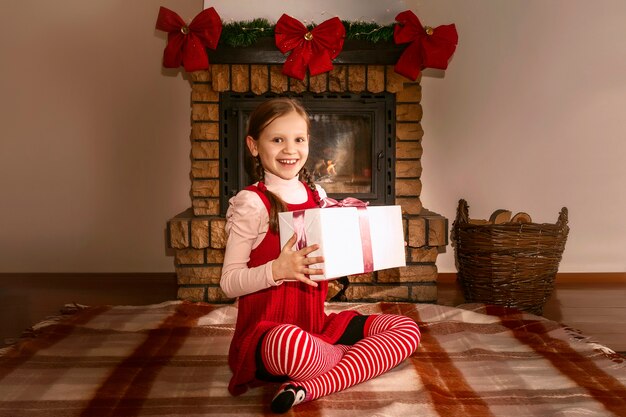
[[352, 150]]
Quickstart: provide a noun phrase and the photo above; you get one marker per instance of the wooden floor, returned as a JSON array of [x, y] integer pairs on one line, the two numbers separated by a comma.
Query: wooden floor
[[593, 304], [26, 299], [597, 308]]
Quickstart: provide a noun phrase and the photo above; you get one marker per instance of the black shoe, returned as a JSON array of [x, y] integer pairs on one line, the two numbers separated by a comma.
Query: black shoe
[[286, 398]]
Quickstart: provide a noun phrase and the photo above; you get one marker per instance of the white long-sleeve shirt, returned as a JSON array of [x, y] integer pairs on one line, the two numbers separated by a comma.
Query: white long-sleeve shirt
[[247, 222]]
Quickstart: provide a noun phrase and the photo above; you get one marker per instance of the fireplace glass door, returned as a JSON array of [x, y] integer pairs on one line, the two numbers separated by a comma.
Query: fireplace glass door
[[351, 151], [340, 152]]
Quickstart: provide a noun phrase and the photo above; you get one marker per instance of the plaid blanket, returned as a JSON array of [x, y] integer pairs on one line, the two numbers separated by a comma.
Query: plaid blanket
[[170, 360]]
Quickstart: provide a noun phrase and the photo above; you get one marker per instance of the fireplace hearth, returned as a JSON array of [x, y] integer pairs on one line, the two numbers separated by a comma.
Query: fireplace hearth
[[197, 235]]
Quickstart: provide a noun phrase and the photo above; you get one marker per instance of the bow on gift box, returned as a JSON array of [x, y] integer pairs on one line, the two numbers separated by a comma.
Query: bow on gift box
[[429, 48], [327, 202], [314, 49], [187, 45]]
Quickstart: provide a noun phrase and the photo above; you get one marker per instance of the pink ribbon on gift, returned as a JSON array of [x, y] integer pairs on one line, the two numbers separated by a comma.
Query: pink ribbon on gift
[[364, 226], [298, 228]]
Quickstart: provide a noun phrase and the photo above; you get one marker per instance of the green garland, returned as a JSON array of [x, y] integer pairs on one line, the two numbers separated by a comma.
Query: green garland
[[370, 32], [246, 33]]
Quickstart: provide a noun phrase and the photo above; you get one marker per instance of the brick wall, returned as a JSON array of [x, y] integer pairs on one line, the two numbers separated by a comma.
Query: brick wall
[[197, 235]]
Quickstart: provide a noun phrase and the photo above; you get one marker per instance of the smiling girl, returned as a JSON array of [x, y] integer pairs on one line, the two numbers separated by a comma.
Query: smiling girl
[[283, 333]]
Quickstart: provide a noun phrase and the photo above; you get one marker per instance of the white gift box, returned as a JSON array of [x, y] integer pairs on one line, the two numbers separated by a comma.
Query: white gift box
[[338, 231]]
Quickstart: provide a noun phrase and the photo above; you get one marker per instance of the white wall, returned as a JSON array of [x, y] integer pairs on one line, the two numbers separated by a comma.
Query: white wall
[[527, 117], [308, 11], [94, 149]]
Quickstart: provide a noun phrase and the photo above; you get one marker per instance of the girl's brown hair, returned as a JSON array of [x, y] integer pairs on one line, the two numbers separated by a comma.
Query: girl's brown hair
[[259, 119]]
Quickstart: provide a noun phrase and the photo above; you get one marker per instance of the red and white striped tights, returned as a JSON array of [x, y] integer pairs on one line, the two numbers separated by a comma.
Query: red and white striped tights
[[317, 368]]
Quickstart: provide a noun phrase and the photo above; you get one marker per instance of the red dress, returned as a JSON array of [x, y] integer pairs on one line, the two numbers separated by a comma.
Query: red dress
[[290, 303]]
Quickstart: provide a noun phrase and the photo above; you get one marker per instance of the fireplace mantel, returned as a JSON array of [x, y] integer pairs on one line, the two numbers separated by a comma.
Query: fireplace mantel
[[264, 51]]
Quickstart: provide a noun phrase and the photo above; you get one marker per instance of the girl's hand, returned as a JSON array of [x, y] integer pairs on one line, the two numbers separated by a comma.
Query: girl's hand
[[292, 264]]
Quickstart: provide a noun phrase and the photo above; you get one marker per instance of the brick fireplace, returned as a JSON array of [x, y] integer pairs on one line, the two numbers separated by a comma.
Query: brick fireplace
[[197, 235]]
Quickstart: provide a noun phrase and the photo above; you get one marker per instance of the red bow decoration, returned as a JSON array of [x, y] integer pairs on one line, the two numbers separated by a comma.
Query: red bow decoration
[[429, 48], [314, 49], [187, 45]]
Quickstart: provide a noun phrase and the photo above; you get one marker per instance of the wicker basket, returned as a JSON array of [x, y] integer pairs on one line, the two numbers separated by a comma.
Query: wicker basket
[[510, 264]]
